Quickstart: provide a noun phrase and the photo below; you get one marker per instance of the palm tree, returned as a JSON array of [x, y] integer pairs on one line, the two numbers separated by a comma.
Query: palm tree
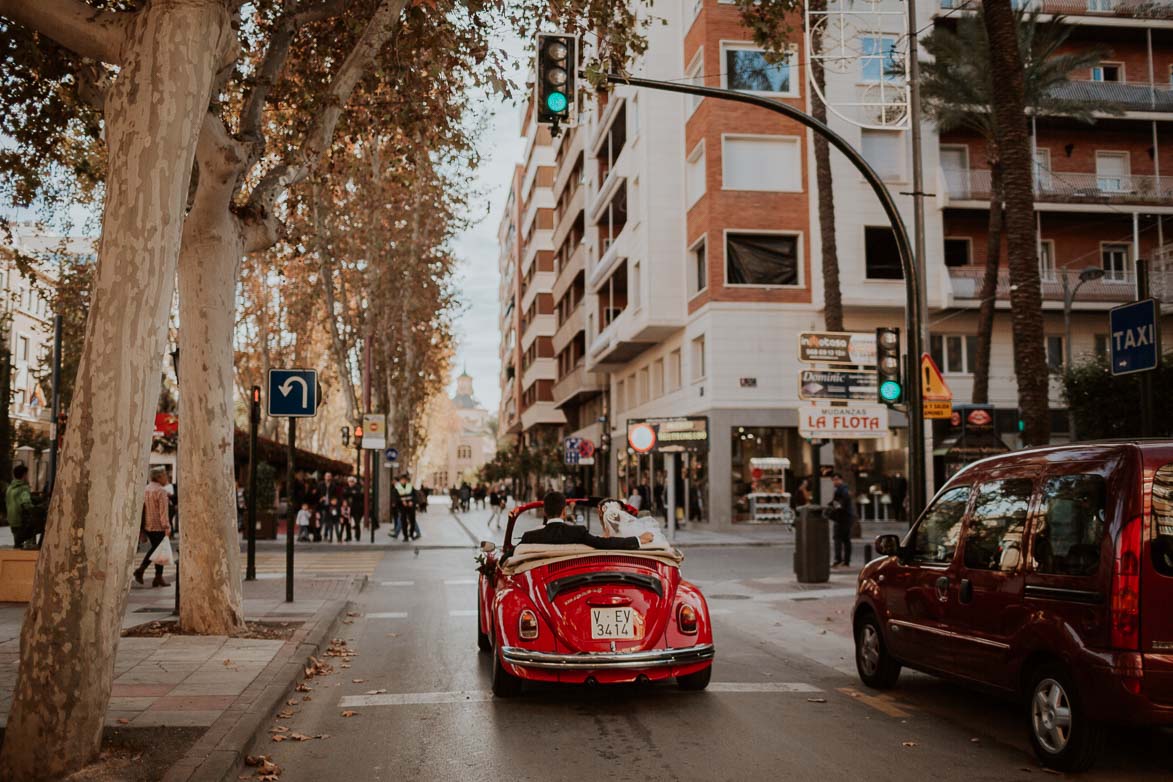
[[957, 91]]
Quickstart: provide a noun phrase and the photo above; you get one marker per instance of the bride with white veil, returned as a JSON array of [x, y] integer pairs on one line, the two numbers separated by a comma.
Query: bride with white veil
[[617, 522]]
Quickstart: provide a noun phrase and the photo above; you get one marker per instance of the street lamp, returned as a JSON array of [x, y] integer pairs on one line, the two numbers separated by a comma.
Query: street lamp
[[1087, 275]]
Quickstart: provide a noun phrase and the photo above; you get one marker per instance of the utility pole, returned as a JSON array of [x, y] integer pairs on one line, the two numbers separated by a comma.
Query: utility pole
[[254, 421], [290, 514]]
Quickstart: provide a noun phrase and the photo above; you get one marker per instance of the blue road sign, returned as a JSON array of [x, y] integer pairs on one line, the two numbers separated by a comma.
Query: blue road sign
[[293, 393], [1134, 345], [391, 454]]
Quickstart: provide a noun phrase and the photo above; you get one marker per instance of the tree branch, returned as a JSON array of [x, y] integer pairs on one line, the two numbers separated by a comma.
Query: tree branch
[[92, 83], [81, 28]]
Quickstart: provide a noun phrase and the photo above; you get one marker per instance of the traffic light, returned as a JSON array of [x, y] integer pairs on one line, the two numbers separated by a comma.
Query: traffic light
[[358, 437], [557, 72], [890, 387], [346, 436]]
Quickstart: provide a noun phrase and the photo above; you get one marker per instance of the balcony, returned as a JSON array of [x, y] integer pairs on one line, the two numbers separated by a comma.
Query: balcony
[[571, 327], [539, 413], [539, 369], [1114, 288], [1062, 187], [1124, 9], [569, 271], [541, 282], [1125, 96], [538, 326], [579, 384]]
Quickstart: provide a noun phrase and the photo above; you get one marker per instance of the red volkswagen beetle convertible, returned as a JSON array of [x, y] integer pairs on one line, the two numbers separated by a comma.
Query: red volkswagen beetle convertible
[[575, 614]]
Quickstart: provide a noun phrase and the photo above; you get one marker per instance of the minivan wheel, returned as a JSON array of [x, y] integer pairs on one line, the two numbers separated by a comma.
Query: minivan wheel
[[877, 668], [1062, 734]]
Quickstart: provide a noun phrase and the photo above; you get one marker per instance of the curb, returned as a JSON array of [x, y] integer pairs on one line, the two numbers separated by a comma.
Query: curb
[[218, 754]]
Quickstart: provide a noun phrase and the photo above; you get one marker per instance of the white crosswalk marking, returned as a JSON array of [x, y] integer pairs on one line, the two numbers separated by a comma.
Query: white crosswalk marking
[[396, 583], [387, 615], [459, 581], [462, 612]]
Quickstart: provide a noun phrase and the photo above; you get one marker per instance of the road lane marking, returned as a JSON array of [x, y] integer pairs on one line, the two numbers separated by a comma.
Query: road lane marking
[[459, 581], [762, 687], [416, 698], [463, 612], [881, 703], [386, 615], [814, 594], [396, 583]]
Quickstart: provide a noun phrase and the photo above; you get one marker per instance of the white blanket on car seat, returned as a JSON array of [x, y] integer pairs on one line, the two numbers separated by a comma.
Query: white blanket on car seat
[[530, 555]]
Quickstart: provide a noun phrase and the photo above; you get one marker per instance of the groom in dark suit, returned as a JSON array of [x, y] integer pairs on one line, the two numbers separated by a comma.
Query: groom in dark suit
[[558, 529]]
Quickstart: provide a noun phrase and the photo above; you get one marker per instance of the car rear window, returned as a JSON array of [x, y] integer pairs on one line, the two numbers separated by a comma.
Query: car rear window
[[993, 540], [1071, 526], [1162, 545]]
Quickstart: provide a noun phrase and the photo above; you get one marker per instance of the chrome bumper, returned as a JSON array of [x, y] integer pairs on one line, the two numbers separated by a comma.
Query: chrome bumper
[[593, 661]]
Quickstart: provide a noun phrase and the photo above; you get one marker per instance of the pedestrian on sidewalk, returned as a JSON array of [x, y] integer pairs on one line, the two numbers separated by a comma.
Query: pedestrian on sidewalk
[[22, 511], [345, 521], [465, 496], [802, 496], [843, 518], [156, 522], [304, 519], [333, 521]]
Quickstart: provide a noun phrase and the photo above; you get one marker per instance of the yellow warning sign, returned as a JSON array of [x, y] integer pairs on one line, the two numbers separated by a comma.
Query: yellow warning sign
[[936, 398]]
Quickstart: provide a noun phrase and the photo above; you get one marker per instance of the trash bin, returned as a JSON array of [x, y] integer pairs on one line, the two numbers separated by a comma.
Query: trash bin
[[812, 546]]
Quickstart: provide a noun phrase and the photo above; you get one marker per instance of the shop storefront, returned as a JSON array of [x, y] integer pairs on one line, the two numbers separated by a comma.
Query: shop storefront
[[666, 461]]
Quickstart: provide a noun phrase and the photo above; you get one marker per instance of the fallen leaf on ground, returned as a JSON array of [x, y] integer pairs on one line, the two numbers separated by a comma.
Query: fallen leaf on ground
[[292, 702], [303, 687], [278, 737], [322, 736], [357, 681], [123, 721], [349, 713], [375, 692], [284, 715], [278, 729], [816, 700], [255, 760], [305, 698], [300, 737], [908, 744]]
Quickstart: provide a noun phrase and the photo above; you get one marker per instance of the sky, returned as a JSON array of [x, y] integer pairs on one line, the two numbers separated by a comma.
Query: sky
[[501, 149]]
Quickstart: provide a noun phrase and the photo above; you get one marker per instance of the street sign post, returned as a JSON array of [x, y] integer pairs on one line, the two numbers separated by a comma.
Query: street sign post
[[374, 431], [1134, 344], [854, 422], [293, 393], [837, 347], [843, 385], [935, 393], [391, 457]]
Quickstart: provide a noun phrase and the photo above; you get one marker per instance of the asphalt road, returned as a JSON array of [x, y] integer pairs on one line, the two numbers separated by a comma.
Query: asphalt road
[[784, 703]]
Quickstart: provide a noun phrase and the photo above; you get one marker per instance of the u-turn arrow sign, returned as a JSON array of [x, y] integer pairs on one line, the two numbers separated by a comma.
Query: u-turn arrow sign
[[293, 393]]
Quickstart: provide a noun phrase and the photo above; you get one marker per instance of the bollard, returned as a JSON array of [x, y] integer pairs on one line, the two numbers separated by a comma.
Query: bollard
[[812, 546]]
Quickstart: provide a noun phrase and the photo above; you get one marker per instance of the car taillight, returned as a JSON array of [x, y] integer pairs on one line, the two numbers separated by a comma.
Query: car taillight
[[686, 619], [527, 625], [1126, 587]]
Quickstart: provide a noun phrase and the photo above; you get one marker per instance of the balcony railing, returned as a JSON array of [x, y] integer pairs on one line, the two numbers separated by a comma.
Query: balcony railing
[[1123, 95], [1138, 9], [1068, 188], [1116, 287]]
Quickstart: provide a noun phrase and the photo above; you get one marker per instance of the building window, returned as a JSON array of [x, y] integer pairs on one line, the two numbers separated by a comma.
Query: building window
[[698, 358], [884, 151], [675, 376], [957, 252], [699, 268], [761, 259], [955, 354], [761, 163], [695, 77], [881, 256], [746, 69], [878, 60], [1114, 258], [643, 385], [1047, 261], [658, 379], [1113, 172], [632, 392], [636, 299], [1101, 346], [1108, 71], [694, 175], [22, 349], [464, 452], [620, 399], [1055, 354]]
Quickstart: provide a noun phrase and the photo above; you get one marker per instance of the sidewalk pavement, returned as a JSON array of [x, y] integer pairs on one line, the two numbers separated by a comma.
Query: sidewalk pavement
[[227, 685]]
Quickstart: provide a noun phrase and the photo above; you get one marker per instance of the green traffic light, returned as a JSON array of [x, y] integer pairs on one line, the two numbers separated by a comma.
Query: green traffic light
[[556, 102], [890, 391]]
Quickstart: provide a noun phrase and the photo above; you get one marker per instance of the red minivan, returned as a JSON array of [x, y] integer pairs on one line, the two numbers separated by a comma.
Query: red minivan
[[1045, 573]]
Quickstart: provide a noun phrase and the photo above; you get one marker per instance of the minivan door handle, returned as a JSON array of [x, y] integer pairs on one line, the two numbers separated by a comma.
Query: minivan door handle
[[943, 588], [966, 593]]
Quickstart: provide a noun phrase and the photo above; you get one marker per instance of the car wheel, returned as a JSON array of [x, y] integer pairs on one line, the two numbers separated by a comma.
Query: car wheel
[[483, 642], [505, 684], [1062, 732], [877, 668], [695, 681]]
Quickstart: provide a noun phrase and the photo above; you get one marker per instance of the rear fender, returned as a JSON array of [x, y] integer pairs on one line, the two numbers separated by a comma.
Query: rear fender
[[508, 603], [688, 594]]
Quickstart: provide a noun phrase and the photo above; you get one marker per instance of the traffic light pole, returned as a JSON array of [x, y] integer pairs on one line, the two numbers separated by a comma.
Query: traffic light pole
[[254, 421], [914, 313]]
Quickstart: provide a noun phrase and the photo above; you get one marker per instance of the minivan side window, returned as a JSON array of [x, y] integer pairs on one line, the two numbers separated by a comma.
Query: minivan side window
[[939, 530], [1071, 527], [1163, 520], [993, 540]]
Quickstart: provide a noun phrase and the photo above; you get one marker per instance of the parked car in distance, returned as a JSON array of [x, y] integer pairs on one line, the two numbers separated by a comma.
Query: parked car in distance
[[1046, 574]]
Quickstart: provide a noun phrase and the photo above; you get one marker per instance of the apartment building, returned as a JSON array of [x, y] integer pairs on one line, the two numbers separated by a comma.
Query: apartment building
[[529, 323], [687, 255]]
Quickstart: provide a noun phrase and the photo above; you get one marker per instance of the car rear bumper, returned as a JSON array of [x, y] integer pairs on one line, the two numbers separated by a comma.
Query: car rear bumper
[[599, 661]]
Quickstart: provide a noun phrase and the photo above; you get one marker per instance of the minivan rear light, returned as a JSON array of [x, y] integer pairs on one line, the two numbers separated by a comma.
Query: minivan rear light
[[1125, 604]]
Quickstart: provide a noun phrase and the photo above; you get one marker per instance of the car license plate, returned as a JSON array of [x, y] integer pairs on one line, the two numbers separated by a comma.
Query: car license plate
[[612, 623]]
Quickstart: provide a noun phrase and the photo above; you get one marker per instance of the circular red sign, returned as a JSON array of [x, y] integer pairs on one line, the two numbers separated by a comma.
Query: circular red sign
[[641, 438]]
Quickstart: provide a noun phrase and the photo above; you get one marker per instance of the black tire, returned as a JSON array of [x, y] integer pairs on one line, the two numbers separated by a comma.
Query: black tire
[[483, 642], [695, 681], [505, 684], [1062, 732], [877, 668]]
